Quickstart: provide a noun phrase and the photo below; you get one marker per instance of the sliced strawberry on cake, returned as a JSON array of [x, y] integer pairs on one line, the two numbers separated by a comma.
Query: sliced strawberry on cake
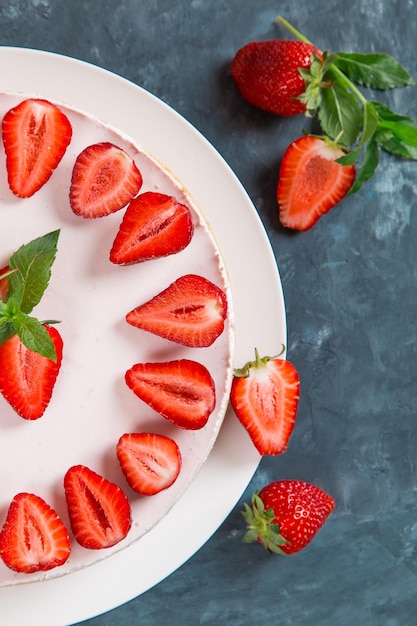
[[36, 134], [27, 378], [154, 225], [104, 180], [182, 391], [150, 462], [33, 537], [190, 311], [98, 509]]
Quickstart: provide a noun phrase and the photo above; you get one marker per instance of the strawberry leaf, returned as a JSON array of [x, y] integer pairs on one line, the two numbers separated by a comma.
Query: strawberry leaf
[[339, 114], [369, 126], [397, 133], [375, 70], [34, 261], [369, 165], [370, 122], [390, 144]]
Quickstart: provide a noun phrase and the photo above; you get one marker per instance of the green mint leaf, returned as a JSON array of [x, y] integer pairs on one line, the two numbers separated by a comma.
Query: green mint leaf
[[34, 261], [339, 114], [369, 165], [33, 334], [375, 70], [6, 327], [6, 331]]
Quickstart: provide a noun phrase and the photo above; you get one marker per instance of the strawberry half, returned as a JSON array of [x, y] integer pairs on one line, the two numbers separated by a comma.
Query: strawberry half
[[182, 391], [267, 74], [149, 461], [104, 180], [264, 396], [36, 134], [154, 225], [98, 509], [27, 379], [190, 311], [286, 515], [311, 182], [33, 537]]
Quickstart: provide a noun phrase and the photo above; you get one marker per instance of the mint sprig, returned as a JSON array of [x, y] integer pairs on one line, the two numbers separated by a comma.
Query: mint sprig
[[28, 276], [361, 126]]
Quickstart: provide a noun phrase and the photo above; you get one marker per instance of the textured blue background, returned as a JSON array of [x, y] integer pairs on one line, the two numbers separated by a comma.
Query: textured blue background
[[350, 291]]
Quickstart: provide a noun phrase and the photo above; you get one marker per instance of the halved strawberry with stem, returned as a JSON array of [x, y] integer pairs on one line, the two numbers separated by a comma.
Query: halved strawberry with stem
[[311, 182], [285, 515], [264, 396], [182, 391], [27, 379], [33, 537], [104, 180], [154, 225], [98, 509], [36, 134], [150, 462], [190, 311]]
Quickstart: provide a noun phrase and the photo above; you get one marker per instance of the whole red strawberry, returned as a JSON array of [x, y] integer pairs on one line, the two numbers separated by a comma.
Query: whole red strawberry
[[267, 74], [286, 515]]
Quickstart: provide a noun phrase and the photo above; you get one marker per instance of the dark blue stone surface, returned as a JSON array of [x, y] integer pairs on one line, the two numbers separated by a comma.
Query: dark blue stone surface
[[350, 286]]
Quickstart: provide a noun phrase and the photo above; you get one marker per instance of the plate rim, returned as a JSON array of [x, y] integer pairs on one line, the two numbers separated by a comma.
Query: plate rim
[[244, 462]]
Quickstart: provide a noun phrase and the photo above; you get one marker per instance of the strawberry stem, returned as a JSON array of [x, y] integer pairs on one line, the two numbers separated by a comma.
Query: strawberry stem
[[342, 77], [293, 30], [244, 372], [344, 80]]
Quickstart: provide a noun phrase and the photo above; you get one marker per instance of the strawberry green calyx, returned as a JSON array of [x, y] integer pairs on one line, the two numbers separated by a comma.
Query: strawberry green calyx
[[261, 526], [315, 83], [244, 372], [364, 127]]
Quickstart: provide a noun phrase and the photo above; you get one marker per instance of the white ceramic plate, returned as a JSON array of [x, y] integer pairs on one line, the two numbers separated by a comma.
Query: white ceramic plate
[[259, 321]]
